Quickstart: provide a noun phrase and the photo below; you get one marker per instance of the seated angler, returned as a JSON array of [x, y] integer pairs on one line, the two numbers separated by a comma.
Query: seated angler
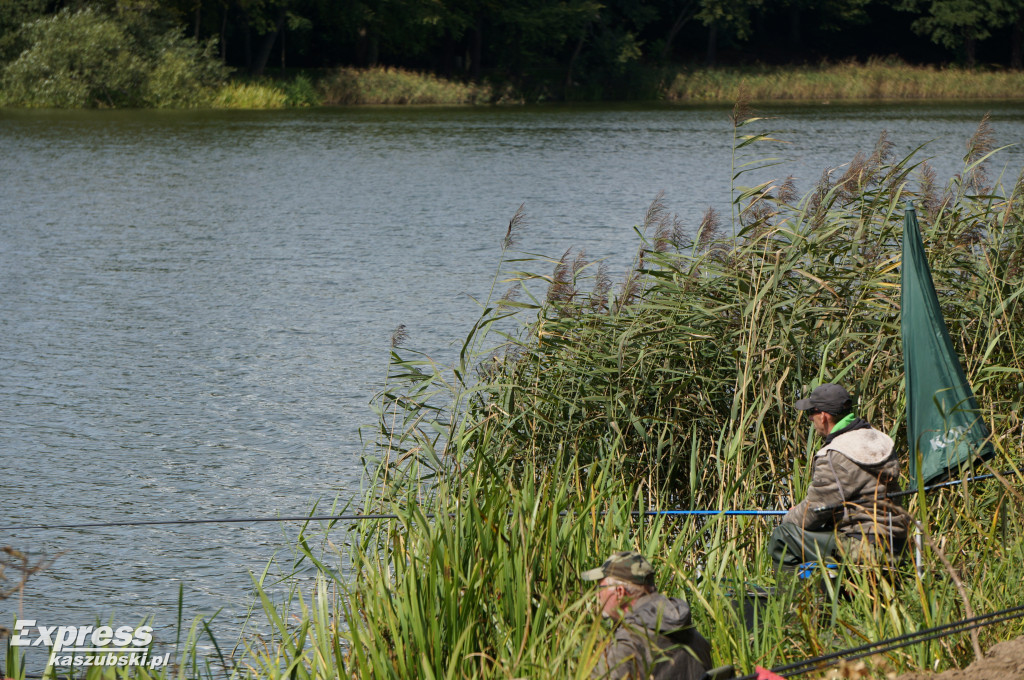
[[846, 512], [655, 637]]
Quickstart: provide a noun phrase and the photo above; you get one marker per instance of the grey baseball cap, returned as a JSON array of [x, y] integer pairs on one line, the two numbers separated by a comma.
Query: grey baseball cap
[[628, 565], [830, 398]]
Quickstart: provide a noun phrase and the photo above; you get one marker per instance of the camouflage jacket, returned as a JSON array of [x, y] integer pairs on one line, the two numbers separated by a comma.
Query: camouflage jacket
[[655, 639]]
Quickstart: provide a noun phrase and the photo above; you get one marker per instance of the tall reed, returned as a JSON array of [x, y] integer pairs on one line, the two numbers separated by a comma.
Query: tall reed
[[878, 79]]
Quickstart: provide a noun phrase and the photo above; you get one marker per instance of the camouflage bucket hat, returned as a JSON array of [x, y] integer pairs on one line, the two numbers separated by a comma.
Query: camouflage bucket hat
[[628, 565]]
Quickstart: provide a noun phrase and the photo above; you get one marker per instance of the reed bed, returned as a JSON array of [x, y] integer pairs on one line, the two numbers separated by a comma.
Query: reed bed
[[384, 86], [876, 80]]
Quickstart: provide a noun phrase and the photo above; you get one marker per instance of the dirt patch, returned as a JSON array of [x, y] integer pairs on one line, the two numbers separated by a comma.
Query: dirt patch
[[1004, 661]]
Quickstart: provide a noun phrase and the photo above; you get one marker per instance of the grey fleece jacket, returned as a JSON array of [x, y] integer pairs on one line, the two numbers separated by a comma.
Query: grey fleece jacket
[[853, 472], [655, 639]]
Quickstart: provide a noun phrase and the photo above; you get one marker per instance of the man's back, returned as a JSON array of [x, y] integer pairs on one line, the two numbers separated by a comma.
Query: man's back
[[656, 639]]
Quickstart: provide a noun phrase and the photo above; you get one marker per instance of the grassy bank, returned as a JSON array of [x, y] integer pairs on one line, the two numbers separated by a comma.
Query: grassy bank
[[876, 80], [351, 87], [513, 470]]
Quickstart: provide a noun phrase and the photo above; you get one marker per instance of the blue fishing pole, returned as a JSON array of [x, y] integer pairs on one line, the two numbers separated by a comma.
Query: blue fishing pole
[[768, 513]]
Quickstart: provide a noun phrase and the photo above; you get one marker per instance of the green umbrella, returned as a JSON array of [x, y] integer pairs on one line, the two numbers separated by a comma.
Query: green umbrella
[[944, 425]]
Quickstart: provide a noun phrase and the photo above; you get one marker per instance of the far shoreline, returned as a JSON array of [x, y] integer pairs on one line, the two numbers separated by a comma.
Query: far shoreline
[[844, 84]]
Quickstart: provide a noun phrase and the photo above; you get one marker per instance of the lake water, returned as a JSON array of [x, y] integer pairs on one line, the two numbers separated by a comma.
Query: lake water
[[196, 306]]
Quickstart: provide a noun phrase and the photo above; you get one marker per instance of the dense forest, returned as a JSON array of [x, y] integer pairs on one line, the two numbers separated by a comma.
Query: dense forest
[[180, 53], [566, 39]]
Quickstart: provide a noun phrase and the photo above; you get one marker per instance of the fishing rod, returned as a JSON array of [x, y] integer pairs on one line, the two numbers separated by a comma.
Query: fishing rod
[[362, 517], [893, 643], [314, 518], [837, 506]]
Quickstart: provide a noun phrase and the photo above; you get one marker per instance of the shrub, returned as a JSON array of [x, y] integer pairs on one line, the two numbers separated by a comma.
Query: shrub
[[88, 59], [301, 92], [76, 59], [398, 86], [185, 73]]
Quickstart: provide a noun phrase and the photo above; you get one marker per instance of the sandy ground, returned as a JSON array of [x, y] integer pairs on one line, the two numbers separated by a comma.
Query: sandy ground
[[1004, 661]]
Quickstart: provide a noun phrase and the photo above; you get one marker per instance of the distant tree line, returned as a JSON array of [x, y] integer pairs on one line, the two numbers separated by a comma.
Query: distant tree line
[[566, 41]]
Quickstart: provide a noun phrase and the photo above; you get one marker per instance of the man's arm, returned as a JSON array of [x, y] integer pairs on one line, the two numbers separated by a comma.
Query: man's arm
[[619, 660], [825, 490]]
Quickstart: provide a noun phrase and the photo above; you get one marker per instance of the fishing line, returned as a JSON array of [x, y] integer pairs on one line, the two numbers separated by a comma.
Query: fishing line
[[358, 517], [228, 520]]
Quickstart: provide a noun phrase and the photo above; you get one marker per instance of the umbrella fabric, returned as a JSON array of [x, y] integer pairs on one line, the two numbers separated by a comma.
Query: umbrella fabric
[[944, 424]]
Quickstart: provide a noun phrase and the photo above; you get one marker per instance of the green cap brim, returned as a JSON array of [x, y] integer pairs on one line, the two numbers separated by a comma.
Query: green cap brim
[[593, 574]]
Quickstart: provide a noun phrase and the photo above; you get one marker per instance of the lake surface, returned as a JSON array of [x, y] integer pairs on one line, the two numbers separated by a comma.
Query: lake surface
[[196, 306]]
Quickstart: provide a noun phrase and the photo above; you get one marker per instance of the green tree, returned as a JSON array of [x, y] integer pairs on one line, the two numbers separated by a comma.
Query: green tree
[[89, 58], [825, 15], [956, 23], [730, 17], [13, 14], [1015, 14]]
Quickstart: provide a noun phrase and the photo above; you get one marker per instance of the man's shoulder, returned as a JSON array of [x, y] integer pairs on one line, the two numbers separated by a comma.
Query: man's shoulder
[[658, 612], [866, 446]]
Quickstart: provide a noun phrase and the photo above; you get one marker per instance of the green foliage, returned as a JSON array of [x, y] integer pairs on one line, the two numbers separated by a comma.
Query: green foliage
[[729, 14], [90, 59], [301, 92], [956, 23], [14, 13], [76, 59], [184, 74]]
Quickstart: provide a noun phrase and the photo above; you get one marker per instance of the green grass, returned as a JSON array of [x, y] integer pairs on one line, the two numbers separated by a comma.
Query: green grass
[[244, 95]]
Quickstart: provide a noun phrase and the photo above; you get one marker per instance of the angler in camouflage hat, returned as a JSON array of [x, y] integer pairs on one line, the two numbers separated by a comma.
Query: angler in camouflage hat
[[655, 636], [627, 565]]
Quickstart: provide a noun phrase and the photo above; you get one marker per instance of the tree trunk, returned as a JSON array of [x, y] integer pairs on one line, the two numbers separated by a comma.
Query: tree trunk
[[198, 16], [575, 56], [684, 16], [248, 45], [795, 41], [448, 55], [267, 44], [477, 48], [712, 55], [224, 37], [1017, 43], [373, 50], [361, 47], [971, 45]]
